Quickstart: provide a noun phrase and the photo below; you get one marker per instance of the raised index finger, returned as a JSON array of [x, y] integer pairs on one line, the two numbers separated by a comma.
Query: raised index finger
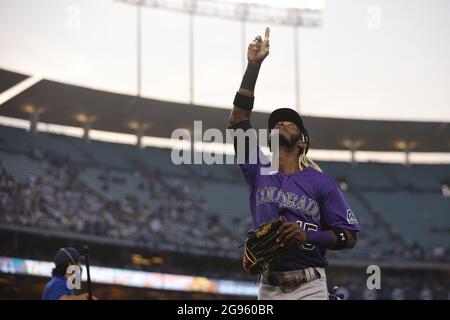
[[267, 34]]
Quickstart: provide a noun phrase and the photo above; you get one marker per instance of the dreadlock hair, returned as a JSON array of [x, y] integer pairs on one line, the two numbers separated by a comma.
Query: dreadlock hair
[[303, 160]]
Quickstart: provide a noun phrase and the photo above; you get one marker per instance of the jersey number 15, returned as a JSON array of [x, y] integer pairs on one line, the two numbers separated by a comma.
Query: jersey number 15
[[307, 227]]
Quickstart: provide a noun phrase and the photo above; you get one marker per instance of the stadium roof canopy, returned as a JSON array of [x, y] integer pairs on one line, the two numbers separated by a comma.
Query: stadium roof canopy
[[8, 79], [66, 104]]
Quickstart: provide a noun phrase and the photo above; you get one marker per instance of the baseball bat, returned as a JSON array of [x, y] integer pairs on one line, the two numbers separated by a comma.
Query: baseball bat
[[86, 260]]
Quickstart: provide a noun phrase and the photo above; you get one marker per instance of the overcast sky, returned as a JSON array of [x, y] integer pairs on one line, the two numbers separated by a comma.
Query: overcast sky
[[382, 59]]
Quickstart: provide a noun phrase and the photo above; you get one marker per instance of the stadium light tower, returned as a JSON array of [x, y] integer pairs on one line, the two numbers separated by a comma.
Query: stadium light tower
[[295, 13]]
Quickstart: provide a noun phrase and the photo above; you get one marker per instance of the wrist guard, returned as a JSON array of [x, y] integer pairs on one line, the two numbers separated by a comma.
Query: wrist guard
[[243, 102], [342, 238]]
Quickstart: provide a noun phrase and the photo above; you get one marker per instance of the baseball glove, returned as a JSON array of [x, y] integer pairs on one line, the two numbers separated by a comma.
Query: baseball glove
[[261, 249]]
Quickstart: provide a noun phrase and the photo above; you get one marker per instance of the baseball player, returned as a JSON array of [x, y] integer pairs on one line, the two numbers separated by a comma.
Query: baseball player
[[316, 215], [56, 288]]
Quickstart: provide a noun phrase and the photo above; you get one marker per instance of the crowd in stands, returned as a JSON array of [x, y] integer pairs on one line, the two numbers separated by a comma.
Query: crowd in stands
[[174, 215], [59, 200]]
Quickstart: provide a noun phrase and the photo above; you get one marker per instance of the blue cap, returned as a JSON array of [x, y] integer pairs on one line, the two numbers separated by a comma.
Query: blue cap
[[67, 256]]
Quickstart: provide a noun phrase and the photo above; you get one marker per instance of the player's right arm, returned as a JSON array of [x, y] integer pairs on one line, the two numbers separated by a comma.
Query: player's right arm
[[257, 51]]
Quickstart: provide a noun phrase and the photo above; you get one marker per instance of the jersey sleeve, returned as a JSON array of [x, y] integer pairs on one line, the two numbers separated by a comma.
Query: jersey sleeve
[[253, 168], [255, 159], [58, 290], [335, 210]]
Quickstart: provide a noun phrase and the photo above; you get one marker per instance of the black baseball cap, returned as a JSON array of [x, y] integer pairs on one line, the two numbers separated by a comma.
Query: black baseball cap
[[288, 114], [67, 256], [285, 114]]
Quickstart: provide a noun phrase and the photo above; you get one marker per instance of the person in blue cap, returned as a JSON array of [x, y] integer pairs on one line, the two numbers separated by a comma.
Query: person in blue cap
[[56, 288]]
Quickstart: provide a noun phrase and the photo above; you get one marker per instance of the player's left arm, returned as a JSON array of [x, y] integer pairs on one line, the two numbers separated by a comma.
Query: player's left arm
[[352, 239], [341, 238], [290, 233], [337, 219], [339, 224]]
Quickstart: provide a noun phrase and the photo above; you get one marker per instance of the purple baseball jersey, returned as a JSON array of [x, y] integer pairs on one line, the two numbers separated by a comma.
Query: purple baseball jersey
[[309, 197]]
